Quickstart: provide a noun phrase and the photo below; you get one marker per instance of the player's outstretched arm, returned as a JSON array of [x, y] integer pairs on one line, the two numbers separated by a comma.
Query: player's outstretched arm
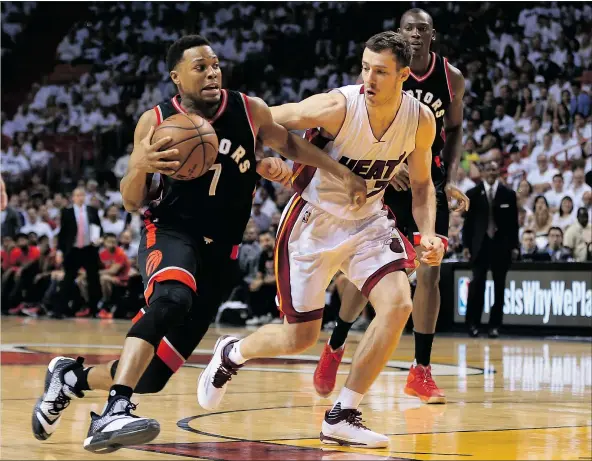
[[295, 148], [325, 110], [145, 159], [422, 187]]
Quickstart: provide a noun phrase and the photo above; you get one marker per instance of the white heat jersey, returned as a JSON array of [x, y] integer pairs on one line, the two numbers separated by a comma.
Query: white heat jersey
[[357, 148]]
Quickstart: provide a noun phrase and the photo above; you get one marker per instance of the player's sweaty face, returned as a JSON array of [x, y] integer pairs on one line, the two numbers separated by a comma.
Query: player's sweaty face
[[381, 76], [418, 31], [199, 74]]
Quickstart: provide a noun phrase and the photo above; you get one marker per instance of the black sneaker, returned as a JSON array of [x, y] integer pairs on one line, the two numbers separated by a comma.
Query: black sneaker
[[56, 397], [117, 428]]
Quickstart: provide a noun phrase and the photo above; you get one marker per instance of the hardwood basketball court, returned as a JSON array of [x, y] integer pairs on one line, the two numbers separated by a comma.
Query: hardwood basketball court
[[507, 399]]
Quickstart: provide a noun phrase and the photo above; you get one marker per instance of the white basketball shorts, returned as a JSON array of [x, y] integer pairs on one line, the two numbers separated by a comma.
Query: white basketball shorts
[[312, 245]]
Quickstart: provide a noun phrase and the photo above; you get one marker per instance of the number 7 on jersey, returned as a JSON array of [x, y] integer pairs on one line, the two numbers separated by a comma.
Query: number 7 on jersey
[[217, 168]]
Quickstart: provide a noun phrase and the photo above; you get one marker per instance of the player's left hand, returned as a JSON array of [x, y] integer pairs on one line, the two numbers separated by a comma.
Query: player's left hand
[[275, 169], [433, 250], [454, 193]]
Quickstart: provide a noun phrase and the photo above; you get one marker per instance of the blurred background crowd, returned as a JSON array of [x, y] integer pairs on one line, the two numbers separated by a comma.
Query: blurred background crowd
[[71, 101]]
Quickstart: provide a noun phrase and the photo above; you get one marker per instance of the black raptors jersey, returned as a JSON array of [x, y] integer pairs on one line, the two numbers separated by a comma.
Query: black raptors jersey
[[216, 205], [435, 91]]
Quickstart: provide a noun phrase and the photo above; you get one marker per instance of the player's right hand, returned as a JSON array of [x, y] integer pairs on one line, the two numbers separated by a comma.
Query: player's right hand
[[356, 189], [400, 180], [150, 159]]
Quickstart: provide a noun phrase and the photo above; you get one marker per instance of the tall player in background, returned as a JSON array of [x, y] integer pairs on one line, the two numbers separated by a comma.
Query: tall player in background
[[371, 129], [439, 86], [188, 246]]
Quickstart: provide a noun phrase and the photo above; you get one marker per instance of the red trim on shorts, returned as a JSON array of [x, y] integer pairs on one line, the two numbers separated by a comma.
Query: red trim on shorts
[[150, 233], [428, 73], [158, 115], [450, 90], [438, 161], [393, 266], [234, 252], [169, 355], [169, 273], [417, 240], [362, 89], [282, 267], [249, 116], [138, 316]]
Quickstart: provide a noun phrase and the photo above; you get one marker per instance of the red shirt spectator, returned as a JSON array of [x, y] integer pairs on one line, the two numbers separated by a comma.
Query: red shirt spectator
[[116, 256], [19, 258]]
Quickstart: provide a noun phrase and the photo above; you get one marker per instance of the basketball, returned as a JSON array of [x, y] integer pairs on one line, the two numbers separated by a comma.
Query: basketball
[[196, 141]]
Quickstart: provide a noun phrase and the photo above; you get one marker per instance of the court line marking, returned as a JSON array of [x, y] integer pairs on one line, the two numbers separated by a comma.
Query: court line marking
[[402, 366]]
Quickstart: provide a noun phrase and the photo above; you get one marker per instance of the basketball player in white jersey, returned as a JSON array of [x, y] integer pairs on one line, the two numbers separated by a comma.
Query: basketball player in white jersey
[[373, 127]]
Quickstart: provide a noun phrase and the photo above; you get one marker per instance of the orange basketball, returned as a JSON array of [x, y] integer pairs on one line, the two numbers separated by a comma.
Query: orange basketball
[[196, 141]]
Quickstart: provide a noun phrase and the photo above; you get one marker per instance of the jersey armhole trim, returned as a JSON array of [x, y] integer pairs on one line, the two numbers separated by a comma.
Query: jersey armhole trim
[[158, 111], [249, 117], [450, 90]]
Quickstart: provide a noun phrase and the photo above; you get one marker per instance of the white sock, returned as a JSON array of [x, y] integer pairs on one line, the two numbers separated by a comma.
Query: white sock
[[235, 356], [348, 399]]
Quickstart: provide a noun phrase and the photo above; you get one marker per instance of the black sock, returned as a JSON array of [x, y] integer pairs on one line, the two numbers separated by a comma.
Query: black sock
[[423, 347], [339, 334], [118, 390]]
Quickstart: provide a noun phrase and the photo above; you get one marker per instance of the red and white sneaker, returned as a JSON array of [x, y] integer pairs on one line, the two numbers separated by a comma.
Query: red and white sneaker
[[326, 372], [421, 384]]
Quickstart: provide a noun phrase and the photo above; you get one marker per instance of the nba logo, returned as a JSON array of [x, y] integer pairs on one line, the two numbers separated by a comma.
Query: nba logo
[[463, 294]]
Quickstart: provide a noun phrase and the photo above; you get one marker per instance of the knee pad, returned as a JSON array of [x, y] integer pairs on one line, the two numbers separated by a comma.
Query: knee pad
[[169, 304]]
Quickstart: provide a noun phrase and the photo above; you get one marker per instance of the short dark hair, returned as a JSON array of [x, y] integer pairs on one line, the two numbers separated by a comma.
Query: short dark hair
[[558, 175], [556, 229], [109, 235], [527, 231], [394, 42], [175, 53], [417, 11]]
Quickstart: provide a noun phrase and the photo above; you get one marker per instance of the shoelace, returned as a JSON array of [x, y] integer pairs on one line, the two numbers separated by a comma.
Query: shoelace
[[223, 375], [355, 419], [127, 410], [333, 357], [59, 404], [428, 381]]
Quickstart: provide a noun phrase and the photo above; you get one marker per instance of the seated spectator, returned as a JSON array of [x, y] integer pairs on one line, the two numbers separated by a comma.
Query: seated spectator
[[579, 236], [262, 220], [115, 272], [127, 245], [112, 222], [541, 177], [120, 168], [566, 149], [555, 247], [7, 245], [542, 221], [556, 193], [524, 195], [546, 148], [565, 216], [578, 186], [36, 225], [462, 181], [263, 290], [529, 250], [518, 169], [19, 258]]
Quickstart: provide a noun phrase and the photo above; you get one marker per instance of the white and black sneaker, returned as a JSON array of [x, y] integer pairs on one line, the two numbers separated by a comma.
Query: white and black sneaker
[[117, 428], [56, 397], [212, 382], [344, 427]]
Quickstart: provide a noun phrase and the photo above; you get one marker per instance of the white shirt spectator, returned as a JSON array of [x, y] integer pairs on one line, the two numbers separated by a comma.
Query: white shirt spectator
[[69, 50], [466, 184], [563, 221], [120, 168], [109, 98], [541, 149], [110, 227], [517, 171], [536, 177], [554, 197], [40, 158], [577, 194], [568, 147], [504, 126], [39, 227]]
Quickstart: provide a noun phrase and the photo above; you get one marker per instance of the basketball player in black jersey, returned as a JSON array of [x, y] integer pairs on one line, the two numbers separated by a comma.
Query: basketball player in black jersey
[[189, 244], [440, 86]]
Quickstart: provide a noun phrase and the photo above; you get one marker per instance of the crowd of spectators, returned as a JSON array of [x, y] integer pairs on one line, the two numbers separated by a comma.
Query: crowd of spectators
[[527, 105]]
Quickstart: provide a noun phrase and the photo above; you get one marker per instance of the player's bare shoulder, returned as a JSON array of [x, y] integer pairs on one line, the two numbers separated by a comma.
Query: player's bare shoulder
[[146, 121]]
